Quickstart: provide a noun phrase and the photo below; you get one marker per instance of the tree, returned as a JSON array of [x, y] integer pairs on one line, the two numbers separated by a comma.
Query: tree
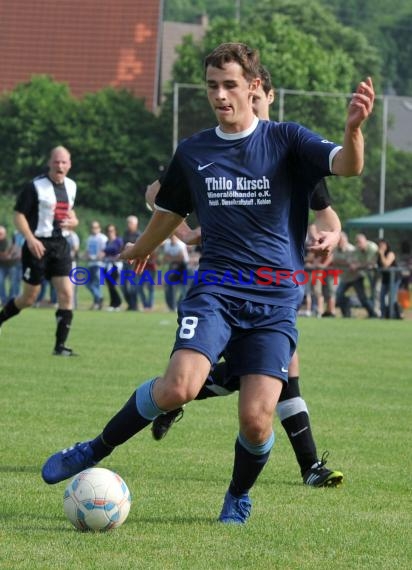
[[116, 144], [387, 26], [33, 119], [400, 33], [191, 10]]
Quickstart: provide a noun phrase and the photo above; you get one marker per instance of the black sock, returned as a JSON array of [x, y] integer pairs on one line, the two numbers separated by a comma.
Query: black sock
[[293, 414], [124, 425], [246, 469], [100, 448], [300, 436], [8, 311], [64, 319]]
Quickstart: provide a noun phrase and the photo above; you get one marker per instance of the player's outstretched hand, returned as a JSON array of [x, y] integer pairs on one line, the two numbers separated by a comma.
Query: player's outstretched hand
[[128, 254], [361, 104], [139, 265], [324, 243]]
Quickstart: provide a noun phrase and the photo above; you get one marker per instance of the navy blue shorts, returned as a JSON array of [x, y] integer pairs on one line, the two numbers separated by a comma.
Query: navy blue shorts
[[254, 338]]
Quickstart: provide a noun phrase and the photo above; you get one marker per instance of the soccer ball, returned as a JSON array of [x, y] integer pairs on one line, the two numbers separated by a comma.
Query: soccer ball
[[97, 499]]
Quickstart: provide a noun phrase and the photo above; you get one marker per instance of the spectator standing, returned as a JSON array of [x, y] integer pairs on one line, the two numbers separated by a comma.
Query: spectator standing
[[95, 244], [131, 289], [176, 258], [147, 285], [320, 286], [113, 266], [74, 243], [314, 299], [359, 260], [386, 260], [6, 262], [405, 263], [16, 268]]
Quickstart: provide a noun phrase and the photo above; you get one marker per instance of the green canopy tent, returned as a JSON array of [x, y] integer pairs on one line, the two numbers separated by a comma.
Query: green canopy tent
[[396, 220]]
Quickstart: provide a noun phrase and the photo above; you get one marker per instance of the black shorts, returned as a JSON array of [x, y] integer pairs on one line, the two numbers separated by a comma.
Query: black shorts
[[56, 262]]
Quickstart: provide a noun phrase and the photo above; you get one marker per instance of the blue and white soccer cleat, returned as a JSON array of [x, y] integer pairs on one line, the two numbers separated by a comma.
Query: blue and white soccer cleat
[[235, 510], [68, 462]]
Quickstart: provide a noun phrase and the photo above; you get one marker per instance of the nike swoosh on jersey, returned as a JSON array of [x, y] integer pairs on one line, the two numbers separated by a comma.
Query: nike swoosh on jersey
[[202, 167]]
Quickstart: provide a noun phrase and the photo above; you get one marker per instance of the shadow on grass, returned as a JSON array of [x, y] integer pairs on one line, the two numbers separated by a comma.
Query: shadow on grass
[[176, 519], [20, 469]]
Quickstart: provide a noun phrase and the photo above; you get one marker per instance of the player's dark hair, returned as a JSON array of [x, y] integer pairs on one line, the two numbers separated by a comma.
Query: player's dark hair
[[246, 57], [266, 79]]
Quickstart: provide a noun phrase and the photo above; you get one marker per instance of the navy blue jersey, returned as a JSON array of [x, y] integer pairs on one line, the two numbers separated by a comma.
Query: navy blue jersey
[[251, 193]]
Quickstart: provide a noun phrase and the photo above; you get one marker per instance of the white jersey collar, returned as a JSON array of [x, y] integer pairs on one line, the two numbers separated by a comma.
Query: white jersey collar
[[235, 136]]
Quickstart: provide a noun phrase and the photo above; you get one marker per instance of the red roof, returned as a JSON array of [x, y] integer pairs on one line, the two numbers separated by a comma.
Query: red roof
[[88, 44]]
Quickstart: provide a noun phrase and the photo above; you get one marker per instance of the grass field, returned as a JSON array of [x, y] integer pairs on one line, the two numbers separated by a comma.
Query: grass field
[[356, 378]]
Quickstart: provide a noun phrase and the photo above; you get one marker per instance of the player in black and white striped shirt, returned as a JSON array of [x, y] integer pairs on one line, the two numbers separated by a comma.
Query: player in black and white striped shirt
[[44, 215]]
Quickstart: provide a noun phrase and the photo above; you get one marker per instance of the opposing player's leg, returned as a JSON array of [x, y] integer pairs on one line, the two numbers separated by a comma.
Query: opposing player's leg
[[217, 384], [183, 378], [33, 274], [64, 314], [13, 307], [58, 268], [294, 416]]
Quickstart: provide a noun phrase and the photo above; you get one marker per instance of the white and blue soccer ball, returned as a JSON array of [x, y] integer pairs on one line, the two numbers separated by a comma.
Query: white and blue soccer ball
[[97, 499]]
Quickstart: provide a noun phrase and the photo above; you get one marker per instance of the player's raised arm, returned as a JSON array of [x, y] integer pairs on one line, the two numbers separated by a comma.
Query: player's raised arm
[[349, 160]]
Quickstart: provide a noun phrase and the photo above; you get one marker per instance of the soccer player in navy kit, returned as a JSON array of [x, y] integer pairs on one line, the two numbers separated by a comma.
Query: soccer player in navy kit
[[44, 215], [291, 408], [249, 182]]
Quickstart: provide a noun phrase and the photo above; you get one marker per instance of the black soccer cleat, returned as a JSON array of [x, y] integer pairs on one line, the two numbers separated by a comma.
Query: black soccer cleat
[[164, 422], [319, 476], [64, 351]]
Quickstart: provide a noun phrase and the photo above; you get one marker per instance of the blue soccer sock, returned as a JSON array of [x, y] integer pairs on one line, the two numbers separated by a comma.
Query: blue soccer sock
[[136, 414], [249, 461]]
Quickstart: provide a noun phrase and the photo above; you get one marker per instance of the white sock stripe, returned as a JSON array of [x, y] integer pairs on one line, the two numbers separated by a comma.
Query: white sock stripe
[[291, 407]]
